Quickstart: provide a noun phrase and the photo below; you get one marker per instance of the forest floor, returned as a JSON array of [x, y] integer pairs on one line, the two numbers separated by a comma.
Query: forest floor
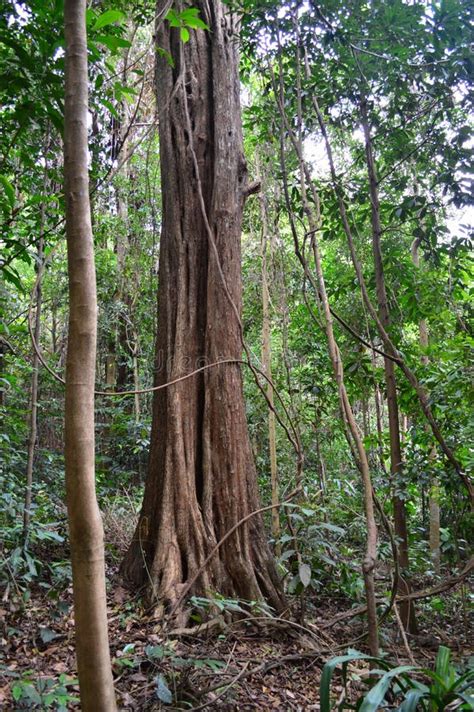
[[246, 665]]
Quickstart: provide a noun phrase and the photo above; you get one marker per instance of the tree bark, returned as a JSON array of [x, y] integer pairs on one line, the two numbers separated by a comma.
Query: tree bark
[[201, 477], [85, 524]]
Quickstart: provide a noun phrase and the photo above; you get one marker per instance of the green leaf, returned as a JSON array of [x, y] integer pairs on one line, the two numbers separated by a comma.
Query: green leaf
[[108, 18], [209, 662], [468, 699], [184, 34], [113, 42], [32, 694], [108, 105], [31, 564], [156, 651], [173, 19], [47, 635], [442, 661], [410, 703], [463, 682], [189, 13], [305, 574], [56, 118], [167, 55], [9, 190], [233, 606], [374, 698], [190, 18], [47, 535], [17, 691], [197, 24], [11, 275], [331, 665], [163, 692], [332, 528]]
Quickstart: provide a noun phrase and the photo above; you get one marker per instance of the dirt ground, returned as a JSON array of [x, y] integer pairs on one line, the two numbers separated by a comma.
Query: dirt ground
[[248, 664]]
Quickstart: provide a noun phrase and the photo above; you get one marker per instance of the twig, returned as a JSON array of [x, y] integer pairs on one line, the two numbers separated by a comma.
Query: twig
[[224, 691], [284, 623], [403, 634], [193, 631]]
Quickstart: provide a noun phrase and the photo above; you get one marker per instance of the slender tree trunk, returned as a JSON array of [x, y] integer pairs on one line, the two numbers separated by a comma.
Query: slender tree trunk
[[434, 488], [370, 560], [396, 465], [33, 429], [201, 478], [319, 286], [54, 327], [267, 367], [3, 349], [85, 524], [365, 418], [122, 296], [136, 377], [320, 460], [405, 427], [379, 424], [110, 360], [435, 521], [284, 320], [34, 393], [117, 371]]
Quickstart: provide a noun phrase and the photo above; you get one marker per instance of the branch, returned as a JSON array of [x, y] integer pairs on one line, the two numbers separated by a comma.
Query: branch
[[254, 187]]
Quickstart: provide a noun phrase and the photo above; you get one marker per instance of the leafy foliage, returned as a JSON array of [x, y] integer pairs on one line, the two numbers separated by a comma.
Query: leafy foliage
[[446, 685]]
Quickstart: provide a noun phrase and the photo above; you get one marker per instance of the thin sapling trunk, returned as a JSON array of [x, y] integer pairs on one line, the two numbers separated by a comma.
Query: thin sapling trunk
[[85, 524]]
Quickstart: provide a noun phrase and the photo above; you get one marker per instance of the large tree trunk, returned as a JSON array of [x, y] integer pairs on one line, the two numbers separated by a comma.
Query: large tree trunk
[[85, 524], [201, 479]]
